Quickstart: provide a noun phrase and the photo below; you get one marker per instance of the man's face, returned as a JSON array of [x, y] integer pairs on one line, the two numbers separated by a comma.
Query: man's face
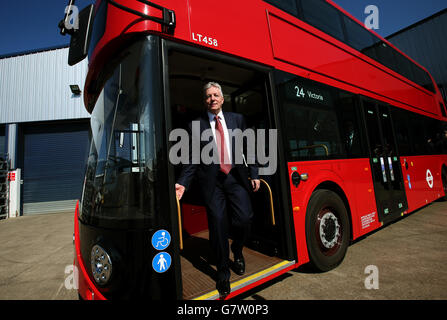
[[213, 100]]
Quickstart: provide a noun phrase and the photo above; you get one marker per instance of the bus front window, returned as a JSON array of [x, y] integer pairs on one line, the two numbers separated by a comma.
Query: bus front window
[[125, 168]]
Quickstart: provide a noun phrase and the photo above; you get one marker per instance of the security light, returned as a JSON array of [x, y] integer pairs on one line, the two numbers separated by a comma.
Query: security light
[[75, 89]]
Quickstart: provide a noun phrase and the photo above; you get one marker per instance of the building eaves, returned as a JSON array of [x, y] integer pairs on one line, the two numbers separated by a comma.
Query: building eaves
[[440, 13], [34, 51]]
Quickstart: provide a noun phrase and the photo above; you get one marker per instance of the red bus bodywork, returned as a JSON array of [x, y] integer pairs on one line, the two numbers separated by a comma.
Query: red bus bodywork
[[256, 31]]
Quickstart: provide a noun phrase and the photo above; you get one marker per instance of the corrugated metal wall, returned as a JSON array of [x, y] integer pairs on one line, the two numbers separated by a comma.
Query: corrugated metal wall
[[35, 98], [426, 42], [35, 87]]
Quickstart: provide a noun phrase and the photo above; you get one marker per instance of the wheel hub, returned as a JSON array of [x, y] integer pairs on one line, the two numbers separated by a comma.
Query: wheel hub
[[329, 230]]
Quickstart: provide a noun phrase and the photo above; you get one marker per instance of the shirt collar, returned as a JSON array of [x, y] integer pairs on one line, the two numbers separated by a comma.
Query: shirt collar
[[211, 116]]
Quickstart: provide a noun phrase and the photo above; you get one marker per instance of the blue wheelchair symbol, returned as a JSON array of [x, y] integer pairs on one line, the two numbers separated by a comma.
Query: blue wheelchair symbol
[[161, 240], [161, 262]]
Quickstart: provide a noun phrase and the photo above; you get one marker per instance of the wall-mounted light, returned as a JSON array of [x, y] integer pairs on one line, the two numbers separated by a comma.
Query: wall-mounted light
[[75, 89]]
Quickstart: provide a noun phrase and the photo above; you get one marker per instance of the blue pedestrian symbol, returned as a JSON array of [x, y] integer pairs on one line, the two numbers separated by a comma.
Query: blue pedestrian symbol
[[161, 262], [161, 240]]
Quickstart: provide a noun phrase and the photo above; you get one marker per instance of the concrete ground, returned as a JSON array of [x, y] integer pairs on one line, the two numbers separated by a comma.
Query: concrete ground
[[34, 252], [409, 258], [405, 260]]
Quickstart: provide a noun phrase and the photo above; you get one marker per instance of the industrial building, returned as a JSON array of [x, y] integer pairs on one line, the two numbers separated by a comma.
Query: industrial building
[[44, 129], [426, 42]]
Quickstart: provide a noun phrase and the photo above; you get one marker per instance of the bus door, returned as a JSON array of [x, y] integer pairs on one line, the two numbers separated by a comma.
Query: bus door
[[385, 164], [246, 89], [253, 101]]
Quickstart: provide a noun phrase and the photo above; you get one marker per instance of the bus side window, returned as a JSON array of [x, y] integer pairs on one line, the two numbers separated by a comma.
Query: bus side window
[[437, 136], [310, 120], [323, 16], [286, 5], [351, 136], [349, 125], [401, 128], [417, 134], [312, 133], [443, 140]]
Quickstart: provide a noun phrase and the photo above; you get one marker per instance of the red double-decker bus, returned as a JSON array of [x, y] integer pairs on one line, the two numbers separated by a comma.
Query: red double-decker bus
[[361, 142]]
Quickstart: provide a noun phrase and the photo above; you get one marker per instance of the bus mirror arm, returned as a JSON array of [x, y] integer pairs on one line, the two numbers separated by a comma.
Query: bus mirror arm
[[62, 24], [169, 20]]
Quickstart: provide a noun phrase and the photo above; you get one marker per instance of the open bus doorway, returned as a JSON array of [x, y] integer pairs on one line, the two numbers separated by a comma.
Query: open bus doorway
[[245, 92]]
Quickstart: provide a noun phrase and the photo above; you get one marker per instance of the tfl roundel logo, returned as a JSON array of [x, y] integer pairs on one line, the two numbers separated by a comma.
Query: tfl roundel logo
[[429, 177]]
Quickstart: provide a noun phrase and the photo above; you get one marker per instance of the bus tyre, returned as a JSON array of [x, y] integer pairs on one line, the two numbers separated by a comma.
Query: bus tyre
[[327, 230]]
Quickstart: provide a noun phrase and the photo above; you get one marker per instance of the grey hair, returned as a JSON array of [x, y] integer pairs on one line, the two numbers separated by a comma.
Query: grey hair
[[212, 84]]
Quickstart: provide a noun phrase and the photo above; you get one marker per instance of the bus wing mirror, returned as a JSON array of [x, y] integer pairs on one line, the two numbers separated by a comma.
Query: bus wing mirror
[[79, 26], [80, 39]]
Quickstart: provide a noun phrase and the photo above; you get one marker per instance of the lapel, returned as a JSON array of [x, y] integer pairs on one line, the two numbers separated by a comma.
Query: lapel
[[204, 125], [205, 122], [229, 120]]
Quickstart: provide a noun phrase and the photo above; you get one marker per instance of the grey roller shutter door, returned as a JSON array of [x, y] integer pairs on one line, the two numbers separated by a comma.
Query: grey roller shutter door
[[53, 166]]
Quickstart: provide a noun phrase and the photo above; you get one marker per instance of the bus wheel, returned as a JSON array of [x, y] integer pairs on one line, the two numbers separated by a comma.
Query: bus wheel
[[327, 230]]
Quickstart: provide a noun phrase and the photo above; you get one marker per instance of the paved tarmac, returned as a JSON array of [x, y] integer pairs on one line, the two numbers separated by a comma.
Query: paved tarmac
[[34, 253], [409, 257], [405, 260]]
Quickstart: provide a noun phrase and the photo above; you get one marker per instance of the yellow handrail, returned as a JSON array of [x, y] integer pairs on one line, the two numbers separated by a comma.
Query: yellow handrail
[[179, 214], [272, 210]]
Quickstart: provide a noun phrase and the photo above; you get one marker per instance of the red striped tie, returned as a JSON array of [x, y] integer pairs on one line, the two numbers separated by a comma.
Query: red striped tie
[[225, 163]]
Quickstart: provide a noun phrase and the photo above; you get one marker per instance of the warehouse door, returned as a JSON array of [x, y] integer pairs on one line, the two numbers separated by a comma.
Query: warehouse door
[[3, 175], [54, 157], [2, 141]]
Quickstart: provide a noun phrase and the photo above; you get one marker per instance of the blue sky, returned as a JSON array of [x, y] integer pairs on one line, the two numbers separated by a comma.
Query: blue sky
[[29, 24], [394, 15]]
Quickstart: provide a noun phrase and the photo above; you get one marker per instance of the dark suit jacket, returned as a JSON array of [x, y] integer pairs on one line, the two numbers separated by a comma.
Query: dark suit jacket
[[206, 175]]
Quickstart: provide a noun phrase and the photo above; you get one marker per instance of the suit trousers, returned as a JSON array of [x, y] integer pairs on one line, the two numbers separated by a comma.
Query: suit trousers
[[230, 207]]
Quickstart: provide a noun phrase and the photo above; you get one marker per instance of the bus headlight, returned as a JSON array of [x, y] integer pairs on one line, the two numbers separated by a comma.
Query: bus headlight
[[101, 265]]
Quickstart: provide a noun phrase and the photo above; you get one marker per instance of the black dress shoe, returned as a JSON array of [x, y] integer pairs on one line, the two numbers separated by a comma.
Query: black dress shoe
[[239, 266], [223, 286]]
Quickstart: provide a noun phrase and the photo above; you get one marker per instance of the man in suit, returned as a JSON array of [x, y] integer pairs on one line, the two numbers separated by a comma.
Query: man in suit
[[224, 186]]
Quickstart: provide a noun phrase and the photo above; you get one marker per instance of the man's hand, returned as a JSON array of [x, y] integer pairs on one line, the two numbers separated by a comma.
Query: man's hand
[[179, 191], [256, 184]]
